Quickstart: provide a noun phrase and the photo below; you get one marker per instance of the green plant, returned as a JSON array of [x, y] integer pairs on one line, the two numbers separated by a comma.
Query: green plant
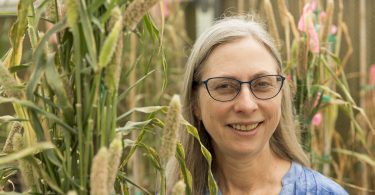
[[66, 101]]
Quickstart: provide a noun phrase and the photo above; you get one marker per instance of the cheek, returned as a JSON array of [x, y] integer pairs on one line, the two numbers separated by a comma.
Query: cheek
[[198, 102], [276, 112], [273, 110], [210, 110]]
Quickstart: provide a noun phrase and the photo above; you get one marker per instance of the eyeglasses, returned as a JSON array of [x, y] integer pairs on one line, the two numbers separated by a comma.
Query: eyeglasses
[[225, 89]]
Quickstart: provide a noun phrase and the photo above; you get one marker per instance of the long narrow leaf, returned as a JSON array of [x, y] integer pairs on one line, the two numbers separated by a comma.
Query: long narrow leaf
[[130, 125], [152, 154], [56, 84], [180, 155], [26, 152], [123, 94], [125, 178], [31, 105], [40, 60], [146, 110], [88, 33], [18, 30], [207, 155], [361, 157]]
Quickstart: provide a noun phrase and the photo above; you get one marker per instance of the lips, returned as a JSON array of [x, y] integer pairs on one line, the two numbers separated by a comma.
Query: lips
[[244, 127]]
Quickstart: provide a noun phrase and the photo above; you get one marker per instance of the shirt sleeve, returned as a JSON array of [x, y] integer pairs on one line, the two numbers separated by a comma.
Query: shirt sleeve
[[302, 180], [326, 186]]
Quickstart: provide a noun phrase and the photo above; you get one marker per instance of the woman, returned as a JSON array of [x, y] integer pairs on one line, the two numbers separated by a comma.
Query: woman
[[236, 96]]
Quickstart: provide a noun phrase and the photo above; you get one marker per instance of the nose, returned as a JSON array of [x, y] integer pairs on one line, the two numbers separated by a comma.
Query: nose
[[245, 101]]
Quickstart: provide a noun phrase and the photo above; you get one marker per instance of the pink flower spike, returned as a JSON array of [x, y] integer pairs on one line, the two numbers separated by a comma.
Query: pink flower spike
[[334, 29], [166, 9], [314, 40], [305, 20], [301, 23], [372, 75], [313, 5], [310, 7], [317, 119], [306, 24]]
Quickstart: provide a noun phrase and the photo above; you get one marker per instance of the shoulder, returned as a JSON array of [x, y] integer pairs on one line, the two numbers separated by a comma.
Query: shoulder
[[302, 180], [321, 184]]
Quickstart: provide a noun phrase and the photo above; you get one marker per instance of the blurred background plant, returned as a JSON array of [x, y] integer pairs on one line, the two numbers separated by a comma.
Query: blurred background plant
[[315, 63]]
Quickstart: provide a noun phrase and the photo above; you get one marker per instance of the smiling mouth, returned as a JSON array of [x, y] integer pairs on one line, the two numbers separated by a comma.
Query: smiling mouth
[[240, 127]]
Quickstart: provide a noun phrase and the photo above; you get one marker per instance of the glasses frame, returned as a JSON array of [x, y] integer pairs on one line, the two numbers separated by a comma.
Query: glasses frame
[[205, 82]]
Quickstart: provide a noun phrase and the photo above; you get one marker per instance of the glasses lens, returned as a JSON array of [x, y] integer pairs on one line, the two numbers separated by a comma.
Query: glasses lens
[[223, 89], [266, 87]]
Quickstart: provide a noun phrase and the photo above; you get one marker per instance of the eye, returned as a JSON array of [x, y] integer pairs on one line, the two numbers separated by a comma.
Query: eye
[[225, 86], [263, 84]]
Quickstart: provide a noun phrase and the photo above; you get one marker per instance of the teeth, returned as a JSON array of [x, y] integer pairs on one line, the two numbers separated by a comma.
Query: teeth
[[244, 127]]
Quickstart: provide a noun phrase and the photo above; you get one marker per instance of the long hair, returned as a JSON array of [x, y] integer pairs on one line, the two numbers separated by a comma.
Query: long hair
[[284, 141]]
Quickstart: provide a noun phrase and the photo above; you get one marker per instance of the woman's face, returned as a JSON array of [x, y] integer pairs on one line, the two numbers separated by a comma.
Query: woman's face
[[244, 60]]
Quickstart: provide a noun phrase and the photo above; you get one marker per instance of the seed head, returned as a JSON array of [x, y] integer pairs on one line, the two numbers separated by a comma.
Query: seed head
[[115, 152], [16, 128], [135, 11], [9, 84], [179, 188], [72, 12], [18, 142], [108, 48], [170, 131], [51, 12], [113, 71], [99, 173], [72, 193], [24, 166]]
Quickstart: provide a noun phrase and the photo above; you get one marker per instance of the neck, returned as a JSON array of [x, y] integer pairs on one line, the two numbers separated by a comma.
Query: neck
[[250, 174]]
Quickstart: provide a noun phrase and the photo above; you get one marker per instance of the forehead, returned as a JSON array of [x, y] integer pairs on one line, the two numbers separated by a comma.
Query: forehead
[[241, 58]]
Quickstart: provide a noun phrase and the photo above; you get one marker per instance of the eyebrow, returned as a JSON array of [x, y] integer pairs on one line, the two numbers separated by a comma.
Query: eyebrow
[[261, 73], [258, 74]]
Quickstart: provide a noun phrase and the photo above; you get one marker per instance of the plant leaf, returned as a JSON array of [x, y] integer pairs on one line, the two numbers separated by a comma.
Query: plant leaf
[[56, 84], [88, 33], [361, 157], [40, 60], [17, 32], [146, 110], [17, 68], [130, 125], [211, 180], [153, 155], [125, 178], [123, 94], [180, 155], [31, 105], [26, 152]]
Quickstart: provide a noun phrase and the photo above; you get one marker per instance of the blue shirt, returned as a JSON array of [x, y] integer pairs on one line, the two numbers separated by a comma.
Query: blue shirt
[[300, 180]]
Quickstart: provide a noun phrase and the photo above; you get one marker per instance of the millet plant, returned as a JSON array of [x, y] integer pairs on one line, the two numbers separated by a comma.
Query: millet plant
[[65, 136]]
